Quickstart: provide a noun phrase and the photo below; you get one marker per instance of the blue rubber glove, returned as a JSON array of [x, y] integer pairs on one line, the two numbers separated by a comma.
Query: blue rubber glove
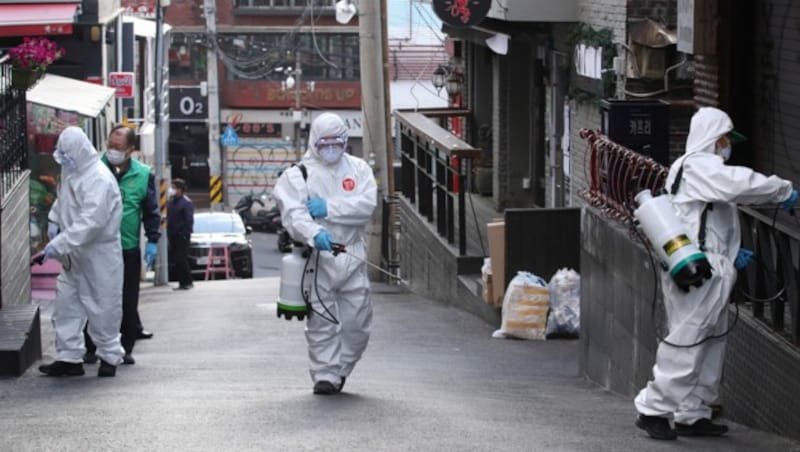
[[317, 207], [150, 252], [743, 258], [52, 230], [788, 205], [49, 252], [322, 241]]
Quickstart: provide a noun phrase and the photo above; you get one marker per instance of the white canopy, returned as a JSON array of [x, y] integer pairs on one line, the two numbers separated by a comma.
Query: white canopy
[[145, 28], [68, 94]]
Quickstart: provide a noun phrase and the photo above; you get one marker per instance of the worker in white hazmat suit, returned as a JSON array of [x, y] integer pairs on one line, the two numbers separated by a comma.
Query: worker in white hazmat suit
[[334, 205], [686, 380], [87, 215]]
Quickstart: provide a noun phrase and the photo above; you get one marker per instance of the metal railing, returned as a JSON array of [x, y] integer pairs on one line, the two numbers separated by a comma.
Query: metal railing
[[13, 146], [615, 174], [434, 169], [774, 237]]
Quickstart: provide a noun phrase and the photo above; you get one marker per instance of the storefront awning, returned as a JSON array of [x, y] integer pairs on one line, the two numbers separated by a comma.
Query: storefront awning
[[84, 98], [21, 19]]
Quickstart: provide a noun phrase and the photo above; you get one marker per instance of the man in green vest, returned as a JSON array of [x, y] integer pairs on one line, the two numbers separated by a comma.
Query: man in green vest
[[139, 205]]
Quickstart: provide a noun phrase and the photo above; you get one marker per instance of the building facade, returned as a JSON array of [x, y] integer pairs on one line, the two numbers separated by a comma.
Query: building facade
[[278, 65]]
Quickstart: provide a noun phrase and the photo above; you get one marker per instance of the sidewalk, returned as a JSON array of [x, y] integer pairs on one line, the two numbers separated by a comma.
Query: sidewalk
[[224, 374]]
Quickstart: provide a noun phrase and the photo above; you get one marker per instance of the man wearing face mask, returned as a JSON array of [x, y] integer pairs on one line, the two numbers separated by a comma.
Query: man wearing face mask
[[704, 192], [180, 225], [140, 206], [333, 204], [87, 211]]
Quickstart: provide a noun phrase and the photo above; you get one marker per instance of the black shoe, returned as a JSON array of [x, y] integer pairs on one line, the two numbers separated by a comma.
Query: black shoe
[[655, 426], [106, 369], [703, 427], [144, 334], [89, 358], [323, 387], [62, 369], [341, 385], [128, 359], [184, 287]]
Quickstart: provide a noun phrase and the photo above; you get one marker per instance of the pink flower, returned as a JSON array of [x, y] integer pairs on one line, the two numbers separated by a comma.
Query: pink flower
[[35, 54]]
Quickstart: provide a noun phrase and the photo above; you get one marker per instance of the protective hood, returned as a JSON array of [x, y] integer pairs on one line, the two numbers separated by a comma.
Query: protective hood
[[707, 126], [74, 143], [326, 125]]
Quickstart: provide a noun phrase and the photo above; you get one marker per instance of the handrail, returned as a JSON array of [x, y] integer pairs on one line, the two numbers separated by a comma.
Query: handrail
[[435, 168]]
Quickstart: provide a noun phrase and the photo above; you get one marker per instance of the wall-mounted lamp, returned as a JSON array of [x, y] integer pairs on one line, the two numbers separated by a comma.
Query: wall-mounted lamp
[[439, 77]]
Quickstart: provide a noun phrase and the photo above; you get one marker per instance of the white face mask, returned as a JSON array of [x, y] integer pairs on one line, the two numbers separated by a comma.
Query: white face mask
[[725, 152], [66, 162], [170, 192], [116, 157], [331, 154]]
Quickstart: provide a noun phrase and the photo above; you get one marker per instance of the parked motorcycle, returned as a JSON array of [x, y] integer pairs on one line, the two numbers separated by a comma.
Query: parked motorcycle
[[263, 220]]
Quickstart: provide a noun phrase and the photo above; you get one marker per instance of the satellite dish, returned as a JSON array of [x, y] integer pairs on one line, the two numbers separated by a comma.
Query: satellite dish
[[498, 43], [345, 11]]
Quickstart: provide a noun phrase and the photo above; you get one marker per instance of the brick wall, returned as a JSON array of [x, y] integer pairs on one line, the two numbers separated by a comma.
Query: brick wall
[[599, 14], [15, 278]]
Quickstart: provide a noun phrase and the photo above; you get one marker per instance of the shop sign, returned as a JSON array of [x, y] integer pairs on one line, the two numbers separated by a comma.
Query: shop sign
[[462, 13], [122, 82], [187, 103]]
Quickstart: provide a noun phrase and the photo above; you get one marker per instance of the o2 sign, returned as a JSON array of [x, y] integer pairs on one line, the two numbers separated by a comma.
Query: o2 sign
[[187, 103], [190, 107]]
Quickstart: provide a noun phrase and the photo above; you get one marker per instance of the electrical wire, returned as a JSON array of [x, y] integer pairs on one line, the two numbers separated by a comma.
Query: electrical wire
[[314, 39]]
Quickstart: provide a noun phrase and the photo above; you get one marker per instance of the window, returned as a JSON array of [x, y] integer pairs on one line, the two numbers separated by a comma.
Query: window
[[187, 58], [261, 56]]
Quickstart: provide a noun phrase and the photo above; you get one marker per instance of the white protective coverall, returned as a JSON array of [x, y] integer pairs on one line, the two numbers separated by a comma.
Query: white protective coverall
[[349, 188], [88, 211], [686, 380]]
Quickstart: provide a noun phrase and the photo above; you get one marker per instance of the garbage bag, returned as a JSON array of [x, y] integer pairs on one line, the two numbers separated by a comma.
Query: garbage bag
[[565, 304], [525, 306]]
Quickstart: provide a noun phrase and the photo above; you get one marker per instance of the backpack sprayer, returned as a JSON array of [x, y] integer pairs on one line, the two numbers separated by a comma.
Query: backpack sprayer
[[294, 298], [687, 264]]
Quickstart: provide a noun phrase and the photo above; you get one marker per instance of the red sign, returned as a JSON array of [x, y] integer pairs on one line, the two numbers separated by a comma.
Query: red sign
[[259, 94], [122, 82], [462, 13]]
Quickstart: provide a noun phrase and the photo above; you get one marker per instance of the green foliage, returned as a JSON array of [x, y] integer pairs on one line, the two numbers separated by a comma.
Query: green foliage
[[604, 37]]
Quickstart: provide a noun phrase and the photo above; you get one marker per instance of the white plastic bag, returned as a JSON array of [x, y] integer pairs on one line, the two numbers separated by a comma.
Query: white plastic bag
[[525, 306], [565, 303]]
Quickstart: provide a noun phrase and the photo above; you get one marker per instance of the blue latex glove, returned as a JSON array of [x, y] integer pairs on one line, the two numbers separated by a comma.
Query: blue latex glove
[[322, 241], [743, 258], [52, 230], [317, 207], [49, 252], [788, 205], [150, 252]]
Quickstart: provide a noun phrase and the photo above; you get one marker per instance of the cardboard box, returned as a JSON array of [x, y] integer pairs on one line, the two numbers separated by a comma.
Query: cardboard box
[[497, 252]]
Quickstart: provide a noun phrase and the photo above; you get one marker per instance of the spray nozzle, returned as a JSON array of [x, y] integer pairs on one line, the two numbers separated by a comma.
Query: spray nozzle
[[337, 248]]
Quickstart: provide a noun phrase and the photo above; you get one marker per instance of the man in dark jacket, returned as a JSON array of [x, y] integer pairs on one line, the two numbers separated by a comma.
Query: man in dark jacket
[[180, 224], [139, 206]]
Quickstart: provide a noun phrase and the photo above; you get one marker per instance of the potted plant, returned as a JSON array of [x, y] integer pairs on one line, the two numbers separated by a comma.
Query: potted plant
[[30, 59]]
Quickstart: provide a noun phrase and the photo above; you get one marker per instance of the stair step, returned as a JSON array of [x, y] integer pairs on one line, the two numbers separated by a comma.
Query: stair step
[[20, 338]]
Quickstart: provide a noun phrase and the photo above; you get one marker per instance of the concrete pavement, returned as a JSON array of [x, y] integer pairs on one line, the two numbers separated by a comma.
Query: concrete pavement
[[224, 374]]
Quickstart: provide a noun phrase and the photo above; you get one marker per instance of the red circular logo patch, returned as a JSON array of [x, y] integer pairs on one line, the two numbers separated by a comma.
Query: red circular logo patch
[[348, 184]]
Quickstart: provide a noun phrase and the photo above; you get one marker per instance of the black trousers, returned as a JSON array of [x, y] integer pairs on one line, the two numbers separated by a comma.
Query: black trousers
[[179, 252], [132, 261]]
